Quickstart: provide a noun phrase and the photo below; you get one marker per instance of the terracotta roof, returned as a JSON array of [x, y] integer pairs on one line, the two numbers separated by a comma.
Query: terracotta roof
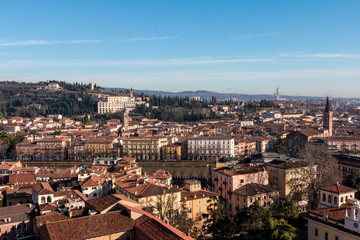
[[287, 164], [19, 178], [17, 213], [43, 188], [143, 189], [100, 204], [154, 228], [337, 213], [254, 189], [309, 132], [50, 140], [239, 171], [338, 188], [87, 227], [197, 195], [93, 181]]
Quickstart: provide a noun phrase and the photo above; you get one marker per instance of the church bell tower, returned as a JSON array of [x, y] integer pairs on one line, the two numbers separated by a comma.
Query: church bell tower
[[328, 118]]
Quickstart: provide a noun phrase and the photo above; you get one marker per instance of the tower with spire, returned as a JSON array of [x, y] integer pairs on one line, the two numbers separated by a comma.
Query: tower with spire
[[328, 118], [131, 93]]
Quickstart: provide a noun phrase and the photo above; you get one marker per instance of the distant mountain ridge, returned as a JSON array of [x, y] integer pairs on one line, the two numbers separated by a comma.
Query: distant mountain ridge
[[220, 96]]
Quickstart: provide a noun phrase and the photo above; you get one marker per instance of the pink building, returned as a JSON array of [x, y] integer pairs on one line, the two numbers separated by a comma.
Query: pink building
[[228, 179]]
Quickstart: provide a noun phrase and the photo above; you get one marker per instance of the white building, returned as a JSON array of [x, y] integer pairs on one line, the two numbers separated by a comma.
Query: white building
[[246, 123], [117, 103], [96, 187], [202, 148], [42, 193]]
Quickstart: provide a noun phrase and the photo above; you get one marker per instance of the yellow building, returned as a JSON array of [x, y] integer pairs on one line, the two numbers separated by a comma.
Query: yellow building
[[289, 177], [246, 195], [171, 151], [337, 223], [144, 148], [197, 202], [99, 147]]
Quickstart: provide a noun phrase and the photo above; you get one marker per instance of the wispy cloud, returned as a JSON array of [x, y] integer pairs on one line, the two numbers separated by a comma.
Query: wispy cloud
[[44, 42], [319, 55], [142, 39], [259, 35], [132, 63]]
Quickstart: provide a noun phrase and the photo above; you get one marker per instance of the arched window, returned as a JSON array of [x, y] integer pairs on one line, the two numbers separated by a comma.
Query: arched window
[[329, 199], [42, 199], [324, 197], [49, 199]]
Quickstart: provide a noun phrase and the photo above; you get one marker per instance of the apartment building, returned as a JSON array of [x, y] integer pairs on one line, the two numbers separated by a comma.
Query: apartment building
[[204, 148], [290, 176], [43, 149], [226, 180], [171, 151], [144, 148], [197, 201], [342, 143]]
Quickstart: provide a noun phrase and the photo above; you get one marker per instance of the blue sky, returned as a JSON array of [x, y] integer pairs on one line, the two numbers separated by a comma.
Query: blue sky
[[303, 47]]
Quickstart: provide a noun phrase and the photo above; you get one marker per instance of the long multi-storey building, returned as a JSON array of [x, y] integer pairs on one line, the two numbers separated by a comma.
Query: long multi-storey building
[[204, 148], [144, 148], [342, 143], [114, 104], [43, 149]]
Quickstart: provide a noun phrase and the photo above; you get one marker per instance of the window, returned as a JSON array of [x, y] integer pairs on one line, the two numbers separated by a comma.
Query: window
[[316, 232]]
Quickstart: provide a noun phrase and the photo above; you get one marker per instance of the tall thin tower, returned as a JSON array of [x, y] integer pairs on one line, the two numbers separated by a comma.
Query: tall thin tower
[[126, 118], [328, 118]]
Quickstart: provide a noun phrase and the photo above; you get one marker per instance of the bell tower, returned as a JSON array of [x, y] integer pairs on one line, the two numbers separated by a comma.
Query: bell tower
[[328, 118]]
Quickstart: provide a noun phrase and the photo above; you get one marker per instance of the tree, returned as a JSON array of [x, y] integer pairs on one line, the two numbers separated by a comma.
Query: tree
[[218, 223], [280, 229], [287, 210], [181, 220], [280, 145], [252, 218], [353, 181], [163, 206], [3, 148]]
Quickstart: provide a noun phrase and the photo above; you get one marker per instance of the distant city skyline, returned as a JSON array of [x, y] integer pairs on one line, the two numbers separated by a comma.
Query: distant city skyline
[[307, 48]]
